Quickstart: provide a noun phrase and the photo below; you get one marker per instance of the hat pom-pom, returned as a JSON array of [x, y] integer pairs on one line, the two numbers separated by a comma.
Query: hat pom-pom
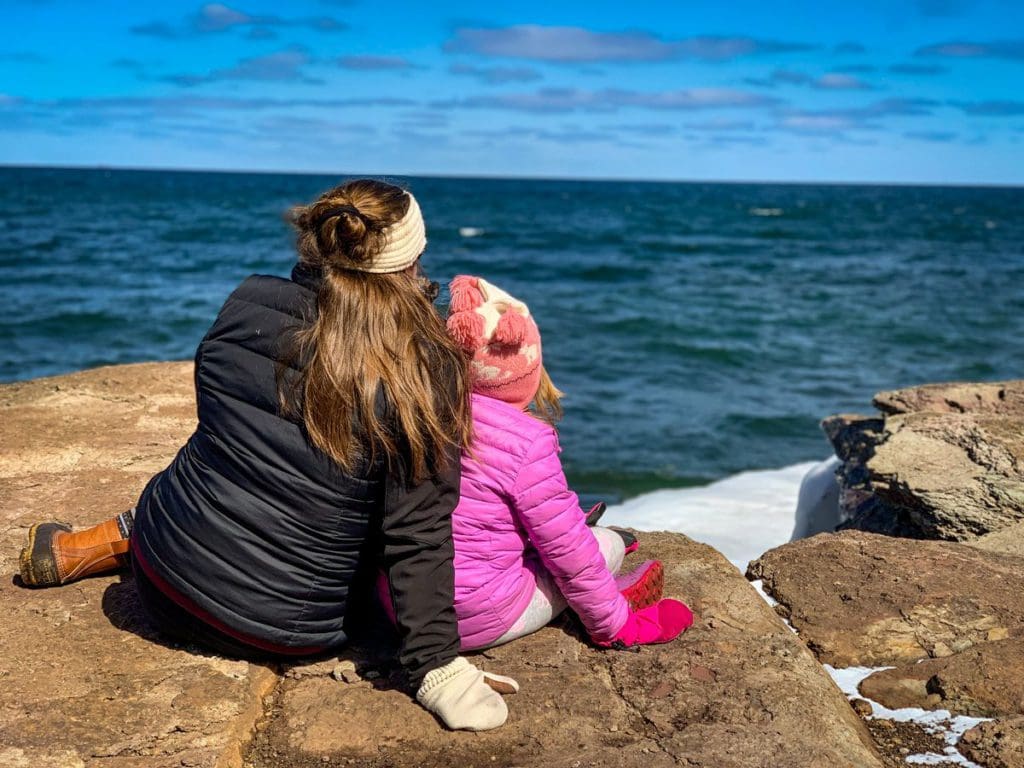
[[511, 329], [467, 328], [466, 294]]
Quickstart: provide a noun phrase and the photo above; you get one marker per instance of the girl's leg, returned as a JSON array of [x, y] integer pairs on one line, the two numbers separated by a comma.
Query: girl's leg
[[613, 548], [547, 602]]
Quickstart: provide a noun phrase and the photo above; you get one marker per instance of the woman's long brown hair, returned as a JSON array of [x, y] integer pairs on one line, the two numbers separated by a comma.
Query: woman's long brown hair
[[373, 332]]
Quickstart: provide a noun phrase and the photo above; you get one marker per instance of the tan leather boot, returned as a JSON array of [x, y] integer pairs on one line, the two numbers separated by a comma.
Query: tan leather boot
[[55, 555]]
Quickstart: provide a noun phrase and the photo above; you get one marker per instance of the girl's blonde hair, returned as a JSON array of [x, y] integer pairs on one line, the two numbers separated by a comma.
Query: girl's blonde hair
[[547, 403], [373, 334]]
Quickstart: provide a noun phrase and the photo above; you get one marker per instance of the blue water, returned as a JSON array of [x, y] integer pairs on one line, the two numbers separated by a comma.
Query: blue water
[[697, 329]]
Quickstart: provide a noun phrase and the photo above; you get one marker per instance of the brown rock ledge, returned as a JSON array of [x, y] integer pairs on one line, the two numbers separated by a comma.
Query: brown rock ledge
[[860, 599], [986, 680], [84, 681], [737, 690], [863, 599]]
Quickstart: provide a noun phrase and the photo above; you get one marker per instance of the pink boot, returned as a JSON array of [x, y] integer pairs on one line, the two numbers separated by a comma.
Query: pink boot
[[595, 513], [632, 545], [658, 623]]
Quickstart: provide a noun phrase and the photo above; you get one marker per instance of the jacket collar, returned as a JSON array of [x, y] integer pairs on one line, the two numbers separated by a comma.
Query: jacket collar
[[307, 276]]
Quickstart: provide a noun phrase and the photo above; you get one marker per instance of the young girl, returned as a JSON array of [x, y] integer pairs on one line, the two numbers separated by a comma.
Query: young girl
[[523, 550]]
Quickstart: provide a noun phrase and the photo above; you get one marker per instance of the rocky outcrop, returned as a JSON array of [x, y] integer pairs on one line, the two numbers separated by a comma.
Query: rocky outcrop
[[943, 461], [860, 599], [948, 616], [940, 472], [738, 689], [986, 680], [85, 682], [996, 744]]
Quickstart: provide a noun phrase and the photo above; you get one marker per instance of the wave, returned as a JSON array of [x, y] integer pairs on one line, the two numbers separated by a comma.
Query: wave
[[742, 516], [471, 231], [765, 211]]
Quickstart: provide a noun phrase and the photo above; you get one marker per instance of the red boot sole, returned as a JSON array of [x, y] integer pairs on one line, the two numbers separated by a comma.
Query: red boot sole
[[643, 586]]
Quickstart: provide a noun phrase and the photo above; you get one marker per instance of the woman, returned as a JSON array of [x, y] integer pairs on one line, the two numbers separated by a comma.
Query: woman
[[332, 409]]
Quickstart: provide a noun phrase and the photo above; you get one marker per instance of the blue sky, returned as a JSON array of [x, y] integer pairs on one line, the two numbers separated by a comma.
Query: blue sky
[[891, 91]]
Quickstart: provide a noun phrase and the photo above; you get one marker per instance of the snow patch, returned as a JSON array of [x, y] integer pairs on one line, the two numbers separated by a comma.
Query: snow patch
[[742, 516], [940, 721], [758, 586]]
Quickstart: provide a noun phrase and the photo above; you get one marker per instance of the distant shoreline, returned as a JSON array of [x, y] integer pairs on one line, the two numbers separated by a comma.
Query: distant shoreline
[[553, 179]]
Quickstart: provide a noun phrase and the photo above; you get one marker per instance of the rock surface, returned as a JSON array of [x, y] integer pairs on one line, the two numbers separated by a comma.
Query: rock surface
[[996, 744], [944, 461], [738, 689], [863, 599], [940, 472], [948, 616], [986, 680], [84, 681], [1009, 540]]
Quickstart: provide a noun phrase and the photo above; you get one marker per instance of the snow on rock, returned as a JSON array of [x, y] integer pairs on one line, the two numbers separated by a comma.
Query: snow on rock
[[741, 516], [940, 721]]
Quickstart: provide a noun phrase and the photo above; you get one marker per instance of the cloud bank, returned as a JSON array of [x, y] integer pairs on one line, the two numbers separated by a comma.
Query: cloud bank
[[580, 45], [553, 100], [215, 18], [960, 49]]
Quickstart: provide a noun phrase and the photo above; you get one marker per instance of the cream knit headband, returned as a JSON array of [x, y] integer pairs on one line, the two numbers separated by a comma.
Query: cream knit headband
[[404, 242]]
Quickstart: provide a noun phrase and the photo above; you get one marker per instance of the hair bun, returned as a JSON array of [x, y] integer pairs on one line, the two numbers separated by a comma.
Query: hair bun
[[341, 228], [350, 225], [335, 210], [347, 227]]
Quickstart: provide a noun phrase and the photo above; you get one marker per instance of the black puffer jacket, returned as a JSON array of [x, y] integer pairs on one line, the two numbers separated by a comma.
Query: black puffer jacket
[[258, 532]]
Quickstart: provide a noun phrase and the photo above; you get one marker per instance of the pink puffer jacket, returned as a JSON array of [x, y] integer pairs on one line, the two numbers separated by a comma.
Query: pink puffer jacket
[[515, 516]]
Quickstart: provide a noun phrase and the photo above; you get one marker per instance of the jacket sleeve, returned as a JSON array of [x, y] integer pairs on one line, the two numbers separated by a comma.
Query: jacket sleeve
[[418, 557], [550, 514]]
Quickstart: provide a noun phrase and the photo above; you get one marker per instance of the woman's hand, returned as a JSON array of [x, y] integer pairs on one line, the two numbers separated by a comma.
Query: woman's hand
[[464, 697]]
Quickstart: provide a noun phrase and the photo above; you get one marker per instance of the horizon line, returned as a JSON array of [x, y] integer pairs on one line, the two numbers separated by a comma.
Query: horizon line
[[488, 177]]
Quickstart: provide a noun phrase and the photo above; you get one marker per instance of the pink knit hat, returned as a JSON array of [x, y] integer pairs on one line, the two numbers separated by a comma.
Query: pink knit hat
[[502, 337]]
